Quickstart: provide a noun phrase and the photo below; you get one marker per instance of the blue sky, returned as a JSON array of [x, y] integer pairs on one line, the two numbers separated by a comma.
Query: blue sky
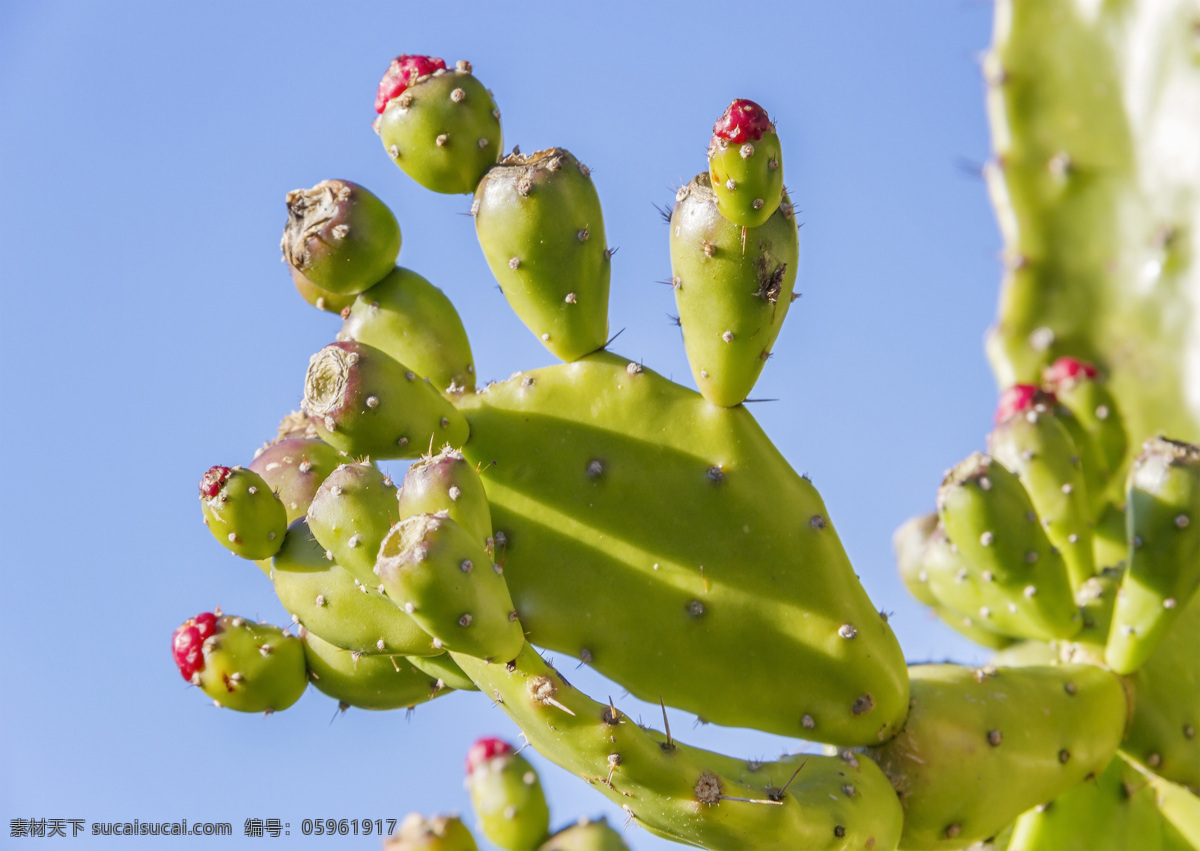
[[149, 331]]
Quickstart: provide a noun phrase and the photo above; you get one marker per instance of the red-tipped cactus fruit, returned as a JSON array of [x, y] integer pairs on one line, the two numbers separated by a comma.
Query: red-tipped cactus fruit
[[745, 164], [250, 667], [242, 511], [507, 796], [439, 125]]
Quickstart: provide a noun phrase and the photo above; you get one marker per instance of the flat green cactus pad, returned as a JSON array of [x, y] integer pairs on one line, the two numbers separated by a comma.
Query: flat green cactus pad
[[642, 529]]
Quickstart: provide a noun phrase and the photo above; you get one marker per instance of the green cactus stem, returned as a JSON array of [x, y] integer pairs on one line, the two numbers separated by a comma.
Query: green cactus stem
[[440, 126], [1164, 732], [365, 403], [541, 229], [733, 287], [507, 796], [1181, 809], [686, 794], [1116, 812], [339, 236], [682, 524], [442, 669], [745, 164], [1163, 516], [350, 515], [981, 746], [439, 833], [250, 667], [443, 577], [367, 682], [327, 600], [1095, 183], [412, 320], [1008, 560], [242, 512]]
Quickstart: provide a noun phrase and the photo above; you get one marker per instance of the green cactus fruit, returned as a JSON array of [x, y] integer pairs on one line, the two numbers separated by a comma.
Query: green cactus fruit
[[320, 298], [250, 667], [507, 796], [1166, 716], [412, 321], [339, 236], [440, 126], [668, 510], [442, 669], [242, 512], [323, 597], [365, 403], [1079, 387], [686, 794], [1007, 557], [1181, 809], [1097, 208], [981, 746], [366, 682], [541, 229], [294, 468], [1116, 812], [1163, 515], [733, 287], [444, 578], [439, 833], [447, 482], [934, 574], [351, 514], [745, 164], [926, 561], [586, 835], [1035, 445]]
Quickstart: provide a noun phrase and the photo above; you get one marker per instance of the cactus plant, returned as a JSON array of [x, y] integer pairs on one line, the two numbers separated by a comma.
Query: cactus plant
[[599, 510]]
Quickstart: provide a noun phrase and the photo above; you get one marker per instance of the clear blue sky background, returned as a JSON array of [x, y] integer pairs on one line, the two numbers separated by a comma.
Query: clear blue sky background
[[148, 331]]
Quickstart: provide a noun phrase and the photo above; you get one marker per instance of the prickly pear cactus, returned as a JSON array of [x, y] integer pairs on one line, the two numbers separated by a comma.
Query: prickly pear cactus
[[1096, 185], [599, 510]]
